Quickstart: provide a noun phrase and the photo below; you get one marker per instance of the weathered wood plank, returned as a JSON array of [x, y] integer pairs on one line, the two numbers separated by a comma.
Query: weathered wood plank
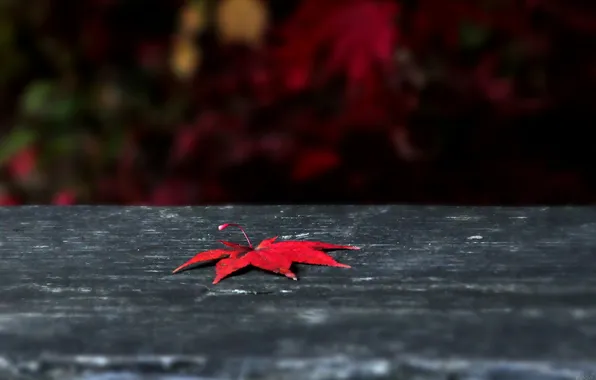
[[434, 291]]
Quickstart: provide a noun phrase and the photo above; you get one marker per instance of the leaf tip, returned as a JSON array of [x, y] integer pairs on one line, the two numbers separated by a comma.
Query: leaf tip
[[179, 269], [223, 226]]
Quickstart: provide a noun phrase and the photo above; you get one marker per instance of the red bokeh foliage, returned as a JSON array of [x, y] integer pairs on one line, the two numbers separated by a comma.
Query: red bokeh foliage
[[471, 101]]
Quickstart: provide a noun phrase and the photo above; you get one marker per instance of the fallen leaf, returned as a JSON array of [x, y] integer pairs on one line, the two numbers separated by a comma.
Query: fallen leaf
[[269, 255]]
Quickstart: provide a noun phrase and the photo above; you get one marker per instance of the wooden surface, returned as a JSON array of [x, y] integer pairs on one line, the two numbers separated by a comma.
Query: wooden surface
[[435, 293]]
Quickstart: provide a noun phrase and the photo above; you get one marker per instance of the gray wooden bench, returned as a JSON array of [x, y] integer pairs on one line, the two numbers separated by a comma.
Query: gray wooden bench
[[447, 293]]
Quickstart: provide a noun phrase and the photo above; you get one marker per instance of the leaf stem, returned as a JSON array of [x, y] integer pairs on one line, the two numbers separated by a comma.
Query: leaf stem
[[226, 225]]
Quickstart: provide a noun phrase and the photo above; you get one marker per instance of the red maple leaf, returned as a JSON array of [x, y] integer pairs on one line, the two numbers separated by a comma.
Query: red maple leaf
[[269, 255], [358, 35]]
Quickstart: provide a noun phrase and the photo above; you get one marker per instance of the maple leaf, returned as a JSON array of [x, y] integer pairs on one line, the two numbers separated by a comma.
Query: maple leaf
[[359, 35], [269, 255]]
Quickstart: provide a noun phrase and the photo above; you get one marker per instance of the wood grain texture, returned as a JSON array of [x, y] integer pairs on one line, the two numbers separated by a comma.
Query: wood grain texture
[[434, 293]]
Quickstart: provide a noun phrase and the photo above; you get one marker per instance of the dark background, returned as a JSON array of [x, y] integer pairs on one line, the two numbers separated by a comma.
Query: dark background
[[206, 102]]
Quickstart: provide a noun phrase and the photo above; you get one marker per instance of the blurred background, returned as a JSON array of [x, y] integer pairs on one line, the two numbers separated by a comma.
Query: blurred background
[[170, 102]]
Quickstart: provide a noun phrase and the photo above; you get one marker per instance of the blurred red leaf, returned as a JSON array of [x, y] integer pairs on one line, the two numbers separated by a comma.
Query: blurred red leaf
[[578, 15], [64, 198], [95, 39], [8, 200], [296, 78], [314, 163], [151, 54], [494, 88], [359, 36], [193, 137], [438, 19], [185, 143], [173, 192], [23, 163]]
